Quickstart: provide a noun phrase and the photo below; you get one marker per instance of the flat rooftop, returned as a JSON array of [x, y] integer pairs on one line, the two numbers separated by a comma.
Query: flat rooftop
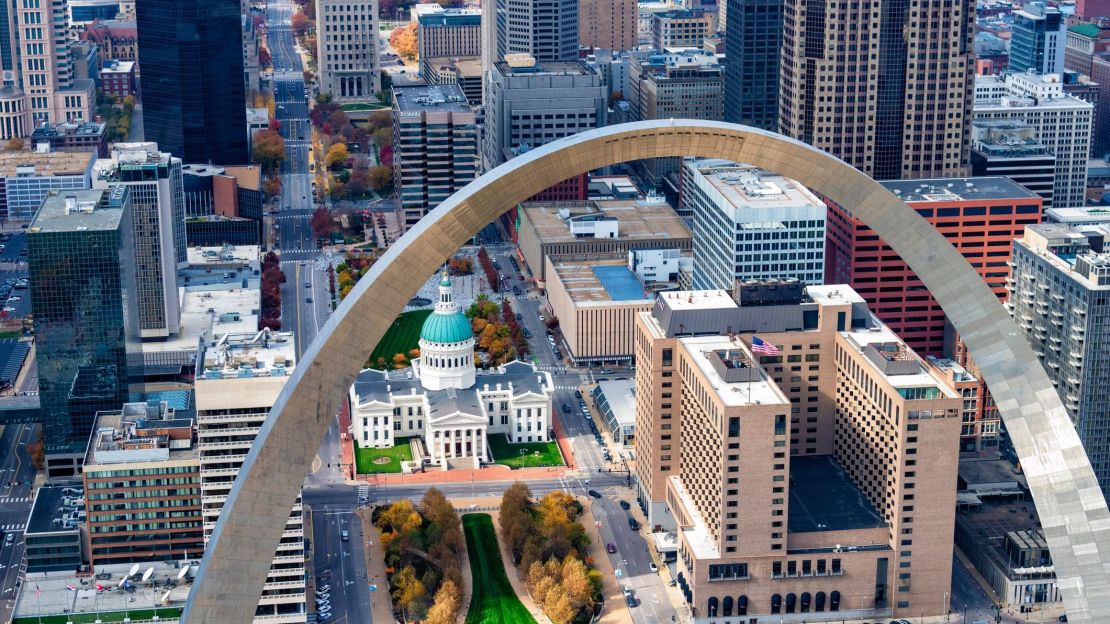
[[598, 281], [55, 599], [733, 394], [833, 294], [958, 189], [1089, 214], [545, 68], [880, 335], [439, 98], [50, 505], [71, 211], [620, 394], [227, 255], [745, 186], [824, 498], [207, 314], [636, 219], [698, 300], [46, 164]]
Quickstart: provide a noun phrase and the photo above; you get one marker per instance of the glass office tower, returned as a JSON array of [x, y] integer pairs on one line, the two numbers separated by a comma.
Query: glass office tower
[[194, 104], [80, 287]]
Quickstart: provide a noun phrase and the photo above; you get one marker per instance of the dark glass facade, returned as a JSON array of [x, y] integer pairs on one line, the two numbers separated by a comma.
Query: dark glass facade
[[752, 51], [80, 300], [216, 231], [194, 104]]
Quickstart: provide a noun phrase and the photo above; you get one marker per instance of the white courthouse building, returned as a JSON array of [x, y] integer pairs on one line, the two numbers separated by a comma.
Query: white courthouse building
[[446, 403]]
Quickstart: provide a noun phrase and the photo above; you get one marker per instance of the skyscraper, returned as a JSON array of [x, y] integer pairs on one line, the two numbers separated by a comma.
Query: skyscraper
[[1038, 39], [191, 54], [754, 48], [546, 29], [157, 192], [81, 278], [55, 93], [435, 146], [892, 96], [1061, 279]]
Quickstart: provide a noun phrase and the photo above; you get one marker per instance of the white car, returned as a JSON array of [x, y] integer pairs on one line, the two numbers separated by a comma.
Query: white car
[[322, 588], [653, 567]]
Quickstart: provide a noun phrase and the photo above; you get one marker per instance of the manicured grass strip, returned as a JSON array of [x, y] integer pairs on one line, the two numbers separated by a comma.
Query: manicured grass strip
[[364, 457], [402, 336], [104, 616], [493, 601], [355, 106], [510, 454]]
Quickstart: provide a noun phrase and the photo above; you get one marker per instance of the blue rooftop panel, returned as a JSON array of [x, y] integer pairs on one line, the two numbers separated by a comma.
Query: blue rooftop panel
[[619, 282]]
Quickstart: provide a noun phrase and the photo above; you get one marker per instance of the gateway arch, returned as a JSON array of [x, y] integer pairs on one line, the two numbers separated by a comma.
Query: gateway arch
[[1072, 509]]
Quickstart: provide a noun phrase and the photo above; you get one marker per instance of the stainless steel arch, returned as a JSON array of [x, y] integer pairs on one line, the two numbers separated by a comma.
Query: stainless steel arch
[[1072, 508]]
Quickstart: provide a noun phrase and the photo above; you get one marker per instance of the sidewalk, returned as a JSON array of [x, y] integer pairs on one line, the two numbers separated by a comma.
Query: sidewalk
[[380, 609], [614, 611], [465, 475]]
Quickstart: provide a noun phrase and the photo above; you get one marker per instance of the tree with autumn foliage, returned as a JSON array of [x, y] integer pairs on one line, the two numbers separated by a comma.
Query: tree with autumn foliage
[[269, 149], [272, 186], [404, 41], [321, 222], [337, 155], [300, 24]]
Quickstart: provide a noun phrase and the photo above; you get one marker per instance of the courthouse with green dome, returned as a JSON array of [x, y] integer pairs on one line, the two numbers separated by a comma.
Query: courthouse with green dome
[[444, 400]]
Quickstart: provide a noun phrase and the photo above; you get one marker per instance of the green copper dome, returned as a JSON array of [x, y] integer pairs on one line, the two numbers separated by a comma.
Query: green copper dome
[[446, 328]]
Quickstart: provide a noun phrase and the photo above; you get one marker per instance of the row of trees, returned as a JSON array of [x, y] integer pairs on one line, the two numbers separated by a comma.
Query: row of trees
[[423, 556], [546, 539], [272, 279], [498, 340], [116, 115], [490, 271]]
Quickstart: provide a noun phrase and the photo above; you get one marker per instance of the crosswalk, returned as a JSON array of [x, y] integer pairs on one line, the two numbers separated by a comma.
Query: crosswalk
[[566, 387], [7, 500], [13, 527]]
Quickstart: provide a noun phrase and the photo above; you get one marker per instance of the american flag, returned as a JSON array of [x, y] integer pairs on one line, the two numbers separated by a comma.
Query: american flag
[[762, 347]]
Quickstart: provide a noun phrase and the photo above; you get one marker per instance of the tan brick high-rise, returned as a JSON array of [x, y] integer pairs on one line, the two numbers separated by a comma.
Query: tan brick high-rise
[[800, 483], [608, 24], [884, 85]]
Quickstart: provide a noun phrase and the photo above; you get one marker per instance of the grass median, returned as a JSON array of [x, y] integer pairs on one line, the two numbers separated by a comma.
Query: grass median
[[493, 600]]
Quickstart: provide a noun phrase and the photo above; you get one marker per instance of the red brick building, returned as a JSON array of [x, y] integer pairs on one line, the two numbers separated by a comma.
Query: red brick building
[[118, 78], [980, 216]]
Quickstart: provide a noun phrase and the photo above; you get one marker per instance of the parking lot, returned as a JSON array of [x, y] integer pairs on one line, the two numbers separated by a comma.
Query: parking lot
[[15, 246], [15, 294]]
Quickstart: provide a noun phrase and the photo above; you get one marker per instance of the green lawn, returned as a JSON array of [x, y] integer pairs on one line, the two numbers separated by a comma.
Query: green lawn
[[535, 453], [364, 457], [355, 106], [493, 601], [104, 616], [402, 337]]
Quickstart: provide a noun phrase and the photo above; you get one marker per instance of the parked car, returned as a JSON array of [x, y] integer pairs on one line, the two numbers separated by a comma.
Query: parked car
[[594, 493], [346, 536], [611, 548], [578, 394], [630, 600], [566, 408], [323, 588], [606, 371], [627, 590], [519, 316], [625, 506], [653, 567], [632, 524]]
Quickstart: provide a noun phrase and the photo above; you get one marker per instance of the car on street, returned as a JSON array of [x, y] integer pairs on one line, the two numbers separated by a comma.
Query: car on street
[[625, 506], [627, 590], [653, 567], [611, 548], [632, 524], [527, 334], [308, 299], [566, 408], [578, 394], [630, 601], [308, 284], [606, 371], [345, 536], [519, 316], [324, 588], [594, 493]]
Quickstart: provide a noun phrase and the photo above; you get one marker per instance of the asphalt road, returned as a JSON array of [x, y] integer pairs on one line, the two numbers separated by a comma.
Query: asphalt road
[[339, 564], [15, 505]]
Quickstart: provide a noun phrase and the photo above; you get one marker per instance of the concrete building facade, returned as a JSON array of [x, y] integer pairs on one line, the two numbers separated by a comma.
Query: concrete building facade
[[27, 177], [1063, 124], [752, 224], [239, 376], [531, 103], [435, 147], [449, 33], [347, 36], [871, 425], [1061, 277], [832, 97], [546, 30], [155, 184], [679, 28]]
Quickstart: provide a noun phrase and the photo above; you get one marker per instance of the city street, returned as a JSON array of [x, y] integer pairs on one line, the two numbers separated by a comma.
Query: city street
[[339, 564], [15, 506]]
